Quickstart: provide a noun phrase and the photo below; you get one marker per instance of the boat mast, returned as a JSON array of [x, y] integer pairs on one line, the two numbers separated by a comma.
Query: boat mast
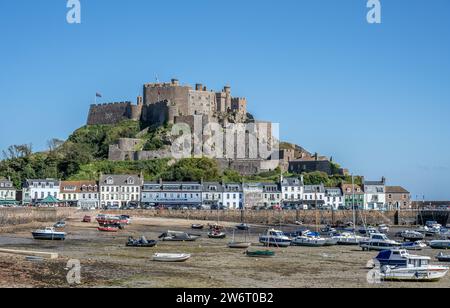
[[353, 203]]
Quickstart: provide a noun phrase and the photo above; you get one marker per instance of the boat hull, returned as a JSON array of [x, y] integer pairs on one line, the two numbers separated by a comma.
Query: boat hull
[[275, 242], [238, 245], [48, 237], [260, 254], [171, 257], [429, 274]]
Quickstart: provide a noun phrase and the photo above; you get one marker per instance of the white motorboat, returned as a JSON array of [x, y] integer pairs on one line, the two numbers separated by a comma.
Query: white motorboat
[[349, 239], [275, 238], [49, 234], [171, 257], [399, 265], [379, 242], [409, 235], [309, 240], [417, 245]]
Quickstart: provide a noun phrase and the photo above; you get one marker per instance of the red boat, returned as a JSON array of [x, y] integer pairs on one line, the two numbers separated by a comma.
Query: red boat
[[108, 228], [105, 220]]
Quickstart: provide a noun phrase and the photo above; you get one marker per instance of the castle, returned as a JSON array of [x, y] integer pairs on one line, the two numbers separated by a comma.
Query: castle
[[172, 103]]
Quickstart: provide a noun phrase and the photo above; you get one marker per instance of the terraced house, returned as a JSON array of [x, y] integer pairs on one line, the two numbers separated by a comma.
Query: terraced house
[[36, 190], [120, 191], [233, 196], [353, 196], [170, 194], [7, 192], [83, 194]]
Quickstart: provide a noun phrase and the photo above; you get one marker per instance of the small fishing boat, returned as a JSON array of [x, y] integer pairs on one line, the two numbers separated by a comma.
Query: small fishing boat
[[113, 220], [275, 238], [418, 245], [310, 239], [401, 266], [349, 239], [440, 244], [408, 235], [141, 243], [175, 236], [260, 253], [442, 257], [171, 257], [379, 242], [108, 228], [197, 227], [243, 227], [49, 234], [217, 234], [328, 230]]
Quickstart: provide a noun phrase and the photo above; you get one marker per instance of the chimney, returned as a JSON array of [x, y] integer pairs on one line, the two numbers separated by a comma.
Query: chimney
[[175, 82], [199, 87]]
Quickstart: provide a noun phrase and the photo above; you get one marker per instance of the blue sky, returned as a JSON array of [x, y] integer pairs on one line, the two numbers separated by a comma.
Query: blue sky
[[375, 97]]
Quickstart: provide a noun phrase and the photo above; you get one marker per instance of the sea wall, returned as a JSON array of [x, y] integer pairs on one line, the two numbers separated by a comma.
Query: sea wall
[[21, 216], [283, 217]]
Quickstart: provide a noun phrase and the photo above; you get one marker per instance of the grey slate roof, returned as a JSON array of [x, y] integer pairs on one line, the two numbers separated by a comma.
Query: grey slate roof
[[29, 182], [120, 180], [310, 189], [291, 182]]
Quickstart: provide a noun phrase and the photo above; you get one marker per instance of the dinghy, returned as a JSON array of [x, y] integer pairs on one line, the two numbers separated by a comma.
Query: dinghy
[[239, 245], [260, 254], [171, 257], [217, 235], [197, 227], [443, 258], [141, 243]]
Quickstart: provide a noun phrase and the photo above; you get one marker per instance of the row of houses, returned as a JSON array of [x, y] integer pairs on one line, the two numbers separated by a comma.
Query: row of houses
[[121, 191]]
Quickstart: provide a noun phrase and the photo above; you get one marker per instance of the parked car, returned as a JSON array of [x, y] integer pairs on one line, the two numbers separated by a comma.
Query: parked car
[[87, 218]]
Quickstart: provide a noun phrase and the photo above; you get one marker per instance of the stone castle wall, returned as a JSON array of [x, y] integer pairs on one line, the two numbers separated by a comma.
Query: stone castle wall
[[113, 113]]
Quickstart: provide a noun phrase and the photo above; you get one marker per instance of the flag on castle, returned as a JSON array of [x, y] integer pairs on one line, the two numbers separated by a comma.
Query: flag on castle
[[98, 95]]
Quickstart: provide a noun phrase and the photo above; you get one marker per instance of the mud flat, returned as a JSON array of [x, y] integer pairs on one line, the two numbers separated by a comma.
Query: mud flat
[[106, 262]]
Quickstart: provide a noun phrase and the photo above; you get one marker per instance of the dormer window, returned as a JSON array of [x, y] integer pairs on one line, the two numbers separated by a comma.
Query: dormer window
[[130, 181], [110, 181]]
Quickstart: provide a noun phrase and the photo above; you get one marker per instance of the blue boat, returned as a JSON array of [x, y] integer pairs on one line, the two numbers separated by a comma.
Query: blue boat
[[392, 257], [49, 234], [275, 238]]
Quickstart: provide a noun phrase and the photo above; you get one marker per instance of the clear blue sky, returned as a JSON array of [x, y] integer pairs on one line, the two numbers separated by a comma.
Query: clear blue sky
[[375, 97]]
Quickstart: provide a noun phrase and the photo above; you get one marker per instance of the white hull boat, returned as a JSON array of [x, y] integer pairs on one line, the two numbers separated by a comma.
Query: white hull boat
[[171, 257], [379, 242], [412, 236], [239, 245], [349, 239], [440, 244], [309, 241]]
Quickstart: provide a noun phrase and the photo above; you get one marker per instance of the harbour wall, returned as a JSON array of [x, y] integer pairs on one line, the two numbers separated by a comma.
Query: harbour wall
[[283, 217], [21, 216]]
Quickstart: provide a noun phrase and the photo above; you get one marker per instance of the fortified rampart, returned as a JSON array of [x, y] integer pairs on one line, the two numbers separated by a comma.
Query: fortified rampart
[[113, 113]]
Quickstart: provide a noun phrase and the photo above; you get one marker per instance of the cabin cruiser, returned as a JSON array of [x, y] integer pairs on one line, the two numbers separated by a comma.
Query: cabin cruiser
[[49, 234], [408, 235], [399, 265], [349, 239], [378, 241], [310, 239], [328, 231], [275, 238]]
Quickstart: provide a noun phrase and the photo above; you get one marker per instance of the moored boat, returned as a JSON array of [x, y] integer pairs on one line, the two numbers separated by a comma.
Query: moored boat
[[217, 235], [275, 238], [175, 236], [379, 242], [49, 234], [440, 244], [442, 257], [409, 235], [243, 227], [141, 243], [349, 239], [309, 240], [108, 228], [171, 257], [401, 266], [260, 253], [197, 227], [418, 245], [239, 245]]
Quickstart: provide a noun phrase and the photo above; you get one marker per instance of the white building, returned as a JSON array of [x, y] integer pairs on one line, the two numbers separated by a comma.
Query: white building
[[313, 196], [375, 195], [233, 196], [166, 194], [253, 195], [272, 195], [37, 190], [7, 192], [212, 195], [120, 190], [334, 198], [292, 190]]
